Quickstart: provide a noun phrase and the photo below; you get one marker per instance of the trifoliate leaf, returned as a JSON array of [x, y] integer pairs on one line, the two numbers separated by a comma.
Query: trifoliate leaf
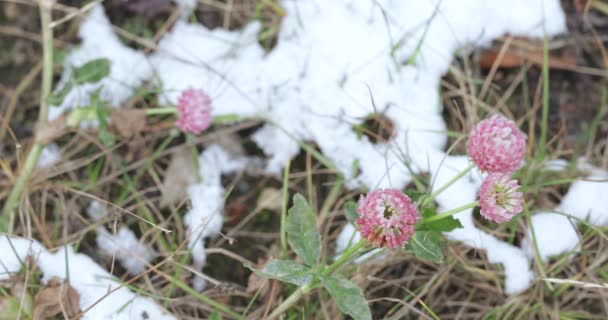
[[348, 297], [287, 271], [427, 245], [302, 233]]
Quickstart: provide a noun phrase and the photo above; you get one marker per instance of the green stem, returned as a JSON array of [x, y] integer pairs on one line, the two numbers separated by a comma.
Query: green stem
[[166, 110], [450, 212], [344, 257], [284, 208], [8, 211], [545, 110], [300, 292], [447, 185], [331, 198], [290, 301]]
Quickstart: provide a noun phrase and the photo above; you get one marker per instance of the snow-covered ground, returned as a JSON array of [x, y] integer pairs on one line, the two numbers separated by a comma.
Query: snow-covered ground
[[331, 59], [98, 290]]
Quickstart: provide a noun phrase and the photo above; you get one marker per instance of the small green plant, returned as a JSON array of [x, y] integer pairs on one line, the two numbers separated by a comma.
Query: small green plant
[[305, 240], [391, 219]]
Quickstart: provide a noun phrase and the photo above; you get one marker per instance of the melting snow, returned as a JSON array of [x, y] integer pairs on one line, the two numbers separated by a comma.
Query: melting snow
[[129, 68], [123, 245], [90, 280], [49, 156], [205, 218], [555, 231]]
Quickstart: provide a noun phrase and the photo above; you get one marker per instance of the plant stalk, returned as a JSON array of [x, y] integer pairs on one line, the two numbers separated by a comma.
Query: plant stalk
[[447, 185], [167, 110], [8, 211], [449, 213]]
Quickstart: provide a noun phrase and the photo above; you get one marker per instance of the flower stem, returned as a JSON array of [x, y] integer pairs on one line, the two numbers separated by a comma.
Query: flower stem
[[166, 110], [344, 257], [447, 185], [300, 292], [8, 213], [291, 300], [449, 212]]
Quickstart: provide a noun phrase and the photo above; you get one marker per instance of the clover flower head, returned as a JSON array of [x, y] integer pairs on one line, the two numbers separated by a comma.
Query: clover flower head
[[497, 145], [499, 197], [194, 111], [387, 218]]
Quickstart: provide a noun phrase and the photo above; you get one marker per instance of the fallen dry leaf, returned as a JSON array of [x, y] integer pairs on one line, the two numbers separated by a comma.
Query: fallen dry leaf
[[526, 51], [180, 174], [270, 198], [516, 58], [129, 121], [57, 297], [255, 282]]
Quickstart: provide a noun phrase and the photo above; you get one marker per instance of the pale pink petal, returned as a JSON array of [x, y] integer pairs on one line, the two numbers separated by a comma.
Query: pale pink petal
[[194, 111], [499, 198], [497, 145]]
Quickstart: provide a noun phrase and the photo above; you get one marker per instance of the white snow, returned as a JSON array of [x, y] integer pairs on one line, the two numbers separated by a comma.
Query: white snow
[[132, 254], [205, 218], [555, 234], [186, 4], [49, 156], [585, 201], [89, 279]]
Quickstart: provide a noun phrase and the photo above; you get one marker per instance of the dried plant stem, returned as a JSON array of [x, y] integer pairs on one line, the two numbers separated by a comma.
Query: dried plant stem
[[8, 211]]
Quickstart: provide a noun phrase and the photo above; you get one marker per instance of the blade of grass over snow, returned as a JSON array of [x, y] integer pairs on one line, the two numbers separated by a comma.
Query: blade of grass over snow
[[538, 260], [284, 203], [545, 103]]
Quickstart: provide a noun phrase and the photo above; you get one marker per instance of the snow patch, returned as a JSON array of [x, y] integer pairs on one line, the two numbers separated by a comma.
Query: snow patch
[[89, 279], [132, 254], [129, 68], [555, 231], [205, 218], [49, 156]]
